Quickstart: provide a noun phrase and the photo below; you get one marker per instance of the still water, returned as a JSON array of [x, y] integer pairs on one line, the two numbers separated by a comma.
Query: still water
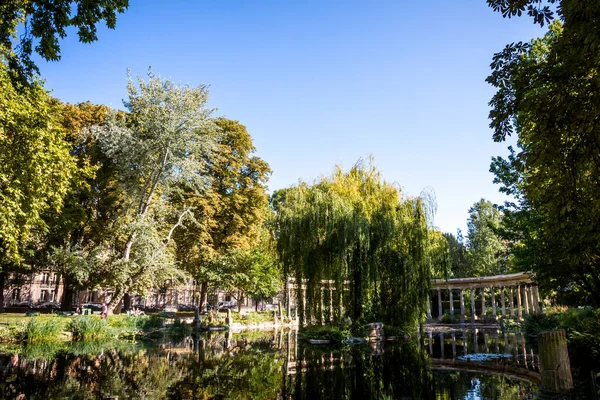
[[274, 365]]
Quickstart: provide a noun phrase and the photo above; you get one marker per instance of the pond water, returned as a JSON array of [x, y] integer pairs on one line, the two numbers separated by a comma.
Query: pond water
[[274, 365]]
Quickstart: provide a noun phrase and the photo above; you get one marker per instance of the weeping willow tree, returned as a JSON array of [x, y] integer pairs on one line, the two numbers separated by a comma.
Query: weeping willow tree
[[364, 236]]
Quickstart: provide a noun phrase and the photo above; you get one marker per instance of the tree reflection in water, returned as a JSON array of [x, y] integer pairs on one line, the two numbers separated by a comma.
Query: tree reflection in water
[[250, 366]]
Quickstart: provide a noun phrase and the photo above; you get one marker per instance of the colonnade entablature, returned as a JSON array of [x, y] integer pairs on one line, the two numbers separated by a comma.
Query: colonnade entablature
[[518, 294]]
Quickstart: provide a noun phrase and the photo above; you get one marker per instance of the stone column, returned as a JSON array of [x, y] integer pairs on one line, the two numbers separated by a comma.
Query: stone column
[[330, 304], [473, 312], [441, 335], [430, 335], [493, 290], [428, 307], [525, 299], [512, 301], [465, 343], [502, 303], [304, 307], [532, 302], [451, 305], [440, 311], [462, 305], [289, 301], [483, 304], [519, 309], [453, 345]]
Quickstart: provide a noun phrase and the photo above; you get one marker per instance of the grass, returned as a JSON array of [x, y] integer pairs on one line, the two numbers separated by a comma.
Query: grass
[[88, 327], [44, 329], [253, 318]]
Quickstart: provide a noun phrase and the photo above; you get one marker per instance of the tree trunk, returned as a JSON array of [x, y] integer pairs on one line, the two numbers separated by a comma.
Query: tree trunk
[[240, 302], [203, 294], [256, 305], [114, 305], [127, 301], [67, 298], [2, 283]]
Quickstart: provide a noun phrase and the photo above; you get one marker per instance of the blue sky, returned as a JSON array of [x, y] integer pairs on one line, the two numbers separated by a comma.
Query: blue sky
[[320, 83]]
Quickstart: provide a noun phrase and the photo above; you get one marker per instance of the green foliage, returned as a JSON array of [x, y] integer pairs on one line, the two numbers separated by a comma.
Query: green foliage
[[460, 263], [35, 165], [86, 327], [354, 226], [253, 318], [487, 253], [582, 326], [45, 23], [546, 94], [336, 334], [44, 329]]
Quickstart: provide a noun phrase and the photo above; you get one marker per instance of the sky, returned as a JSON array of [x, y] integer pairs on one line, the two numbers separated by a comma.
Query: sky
[[320, 83]]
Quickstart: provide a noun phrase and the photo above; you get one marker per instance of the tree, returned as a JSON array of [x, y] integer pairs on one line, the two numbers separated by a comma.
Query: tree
[[460, 264], [35, 168], [164, 145], [547, 95], [486, 251], [355, 227], [45, 22], [230, 215], [88, 208]]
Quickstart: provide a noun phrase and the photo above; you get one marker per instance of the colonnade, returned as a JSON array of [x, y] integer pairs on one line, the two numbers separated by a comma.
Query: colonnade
[[518, 295]]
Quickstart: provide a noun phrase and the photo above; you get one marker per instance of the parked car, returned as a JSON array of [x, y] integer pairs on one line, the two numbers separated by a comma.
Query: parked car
[[186, 307], [92, 306], [24, 304], [227, 305], [48, 305]]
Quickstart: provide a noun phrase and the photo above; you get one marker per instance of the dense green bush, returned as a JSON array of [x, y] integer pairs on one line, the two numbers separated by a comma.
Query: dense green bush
[[86, 327], [327, 332], [583, 333], [44, 329]]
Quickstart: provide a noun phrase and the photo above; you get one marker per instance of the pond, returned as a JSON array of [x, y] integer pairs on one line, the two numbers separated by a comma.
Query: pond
[[274, 365]]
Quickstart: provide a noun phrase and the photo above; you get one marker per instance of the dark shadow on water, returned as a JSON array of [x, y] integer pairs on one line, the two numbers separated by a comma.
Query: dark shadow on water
[[259, 365]]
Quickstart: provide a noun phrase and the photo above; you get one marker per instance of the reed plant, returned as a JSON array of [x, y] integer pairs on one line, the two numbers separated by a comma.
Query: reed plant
[[86, 327], [44, 329]]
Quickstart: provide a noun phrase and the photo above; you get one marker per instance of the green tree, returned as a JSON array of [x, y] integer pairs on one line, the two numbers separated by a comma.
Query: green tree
[[44, 23], [487, 253], [353, 226], [460, 264], [164, 145], [230, 215], [547, 95], [35, 169]]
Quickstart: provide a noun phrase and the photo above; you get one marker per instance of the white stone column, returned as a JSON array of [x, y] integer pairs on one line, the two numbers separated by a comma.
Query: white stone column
[[330, 304], [440, 311], [526, 299], [428, 306], [453, 345], [502, 303], [483, 304], [532, 302], [430, 335], [519, 308], [493, 290], [451, 305], [511, 299], [473, 311], [462, 305]]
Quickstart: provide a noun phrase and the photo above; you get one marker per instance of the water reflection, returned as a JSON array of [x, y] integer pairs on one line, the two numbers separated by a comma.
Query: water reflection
[[271, 365]]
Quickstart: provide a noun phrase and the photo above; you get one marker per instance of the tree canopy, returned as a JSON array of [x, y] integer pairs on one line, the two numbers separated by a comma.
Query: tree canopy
[[44, 23], [547, 93], [354, 227]]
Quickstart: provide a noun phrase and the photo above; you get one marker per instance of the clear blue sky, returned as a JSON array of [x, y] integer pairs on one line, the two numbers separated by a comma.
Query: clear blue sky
[[320, 83]]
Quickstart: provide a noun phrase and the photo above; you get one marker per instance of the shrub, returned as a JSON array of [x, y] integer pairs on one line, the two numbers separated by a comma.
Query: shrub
[[47, 329], [86, 327], [333, 333]]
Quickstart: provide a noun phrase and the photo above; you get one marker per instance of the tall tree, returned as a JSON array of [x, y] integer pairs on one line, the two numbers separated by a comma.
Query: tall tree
[[487, 253], [460, 264], [43, 23], [355, 227], [164, 144], [35, 168], [547, 95], [231, 214]]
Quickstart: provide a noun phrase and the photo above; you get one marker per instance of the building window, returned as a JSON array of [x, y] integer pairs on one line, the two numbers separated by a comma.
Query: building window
[[16, 295], [44, 295]]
